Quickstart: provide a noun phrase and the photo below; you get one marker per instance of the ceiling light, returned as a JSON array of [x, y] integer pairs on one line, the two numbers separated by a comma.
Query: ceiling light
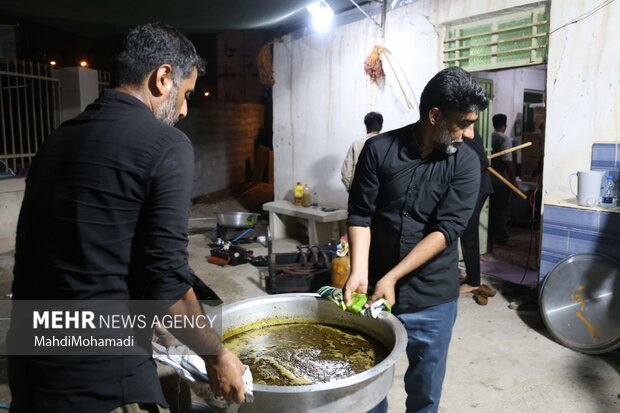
[[322, 15]]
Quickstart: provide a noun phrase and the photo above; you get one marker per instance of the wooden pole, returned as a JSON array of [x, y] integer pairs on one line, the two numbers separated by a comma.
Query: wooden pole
[[516, 148], [507, 182]]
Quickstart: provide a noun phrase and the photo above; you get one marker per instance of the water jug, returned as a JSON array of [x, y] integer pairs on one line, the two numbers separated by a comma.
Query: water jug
[[588, 187]]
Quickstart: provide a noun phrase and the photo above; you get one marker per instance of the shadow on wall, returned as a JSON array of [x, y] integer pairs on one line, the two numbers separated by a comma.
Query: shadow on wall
[[325, 174]]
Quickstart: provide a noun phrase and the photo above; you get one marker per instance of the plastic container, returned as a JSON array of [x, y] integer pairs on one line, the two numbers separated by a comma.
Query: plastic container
[[299, 194], [315, 200], [307, 197], [341, 267], [608, 193]]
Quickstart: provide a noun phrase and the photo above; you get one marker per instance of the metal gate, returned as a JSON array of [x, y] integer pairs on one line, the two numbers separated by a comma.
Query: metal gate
[[29, 111]]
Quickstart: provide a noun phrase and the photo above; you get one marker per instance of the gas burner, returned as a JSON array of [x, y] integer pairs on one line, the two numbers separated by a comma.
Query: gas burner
[[301, 271], [229, 255]]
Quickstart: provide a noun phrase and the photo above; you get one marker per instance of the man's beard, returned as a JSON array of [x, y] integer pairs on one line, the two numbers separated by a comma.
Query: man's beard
[[445, 143], [167, 110]]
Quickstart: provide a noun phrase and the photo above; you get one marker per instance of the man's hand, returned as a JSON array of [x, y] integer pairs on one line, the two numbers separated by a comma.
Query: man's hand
[[226, 376], [355, 283], [385, 288], [359, 240], [225, 369]]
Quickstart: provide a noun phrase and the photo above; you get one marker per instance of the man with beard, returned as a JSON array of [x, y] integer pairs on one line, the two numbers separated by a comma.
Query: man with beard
[[104, 217], [413, 193]]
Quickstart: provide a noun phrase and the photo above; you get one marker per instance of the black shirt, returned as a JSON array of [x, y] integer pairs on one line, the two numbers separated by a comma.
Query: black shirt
[[486, 187], [403, 198], [104, 216]]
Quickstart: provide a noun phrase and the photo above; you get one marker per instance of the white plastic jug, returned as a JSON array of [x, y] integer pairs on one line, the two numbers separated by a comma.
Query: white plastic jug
[[588, 187]]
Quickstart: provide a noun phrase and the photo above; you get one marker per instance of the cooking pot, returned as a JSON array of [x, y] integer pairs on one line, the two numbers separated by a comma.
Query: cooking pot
[[236, 219], [359, 393]]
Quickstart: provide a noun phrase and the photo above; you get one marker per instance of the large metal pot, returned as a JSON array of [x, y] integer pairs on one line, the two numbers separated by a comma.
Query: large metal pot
[[580, 303], [236, 219], [358, 393]]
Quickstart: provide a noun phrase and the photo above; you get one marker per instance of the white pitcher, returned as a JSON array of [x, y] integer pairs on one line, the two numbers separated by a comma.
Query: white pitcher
[[588, 187]]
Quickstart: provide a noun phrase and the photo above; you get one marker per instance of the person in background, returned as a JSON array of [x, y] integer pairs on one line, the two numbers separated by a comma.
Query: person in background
[[470, 240], [413, 193], [374, 123], [499, 212], [104, 217]]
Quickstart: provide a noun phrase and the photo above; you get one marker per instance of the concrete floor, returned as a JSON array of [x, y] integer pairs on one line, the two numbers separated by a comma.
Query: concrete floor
[[500, 360]]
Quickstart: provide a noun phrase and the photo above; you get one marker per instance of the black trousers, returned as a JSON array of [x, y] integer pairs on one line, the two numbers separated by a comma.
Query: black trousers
[[470, 244], [499, 213]]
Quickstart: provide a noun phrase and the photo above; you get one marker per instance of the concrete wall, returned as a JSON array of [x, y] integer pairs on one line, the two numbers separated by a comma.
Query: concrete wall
[[11, 196], [508, 88], [79, 88], [237, 74], [321, 92], [583, 91], [223, 135]]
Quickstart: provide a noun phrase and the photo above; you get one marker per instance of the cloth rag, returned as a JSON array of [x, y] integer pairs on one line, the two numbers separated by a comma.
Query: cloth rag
[[358, 302], [192, 367]]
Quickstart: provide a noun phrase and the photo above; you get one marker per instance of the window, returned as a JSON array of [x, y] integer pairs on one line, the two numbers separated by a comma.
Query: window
[[517, 38]]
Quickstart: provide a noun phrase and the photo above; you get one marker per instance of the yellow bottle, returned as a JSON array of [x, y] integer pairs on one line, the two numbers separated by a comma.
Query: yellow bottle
[[299, 193]]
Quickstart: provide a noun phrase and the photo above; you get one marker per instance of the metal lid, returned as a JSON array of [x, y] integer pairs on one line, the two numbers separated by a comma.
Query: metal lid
[[580, 303]]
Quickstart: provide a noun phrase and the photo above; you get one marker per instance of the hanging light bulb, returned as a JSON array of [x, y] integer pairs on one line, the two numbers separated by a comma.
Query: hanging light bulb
[[322, 15]]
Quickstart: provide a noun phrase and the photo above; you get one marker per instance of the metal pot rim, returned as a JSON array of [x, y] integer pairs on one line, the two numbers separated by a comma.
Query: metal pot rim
[[236, 213], [400, 344]]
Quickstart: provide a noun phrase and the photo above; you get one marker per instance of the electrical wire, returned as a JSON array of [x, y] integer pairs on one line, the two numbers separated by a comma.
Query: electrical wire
[[583, 16], [533, 236]]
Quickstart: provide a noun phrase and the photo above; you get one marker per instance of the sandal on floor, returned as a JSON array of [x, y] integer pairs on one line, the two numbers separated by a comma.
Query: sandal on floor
[[486, 290], [480, 298]]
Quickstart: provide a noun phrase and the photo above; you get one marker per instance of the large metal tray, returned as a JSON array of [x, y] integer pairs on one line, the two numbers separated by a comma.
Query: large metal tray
[[580, 303]]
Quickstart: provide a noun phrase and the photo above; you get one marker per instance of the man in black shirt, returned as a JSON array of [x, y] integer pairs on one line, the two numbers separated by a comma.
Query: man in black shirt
[[470, 239], [413, 193], [104, 217]]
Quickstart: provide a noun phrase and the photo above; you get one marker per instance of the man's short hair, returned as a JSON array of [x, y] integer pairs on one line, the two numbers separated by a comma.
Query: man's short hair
[[500, 120], [149, 46], [452, 90], [373, 122]]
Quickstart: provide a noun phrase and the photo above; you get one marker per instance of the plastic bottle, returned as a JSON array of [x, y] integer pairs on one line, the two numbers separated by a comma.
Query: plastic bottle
[[307, 197], [315, 200], [341, 265], [608, 194], [299, 193]]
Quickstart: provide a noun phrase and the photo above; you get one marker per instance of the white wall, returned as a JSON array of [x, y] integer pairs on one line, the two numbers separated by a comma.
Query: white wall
[[508, 88], [321, 92], [583, 91]]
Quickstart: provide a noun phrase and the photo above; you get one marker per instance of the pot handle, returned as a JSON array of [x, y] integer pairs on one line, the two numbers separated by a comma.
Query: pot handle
[[570, 182]]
